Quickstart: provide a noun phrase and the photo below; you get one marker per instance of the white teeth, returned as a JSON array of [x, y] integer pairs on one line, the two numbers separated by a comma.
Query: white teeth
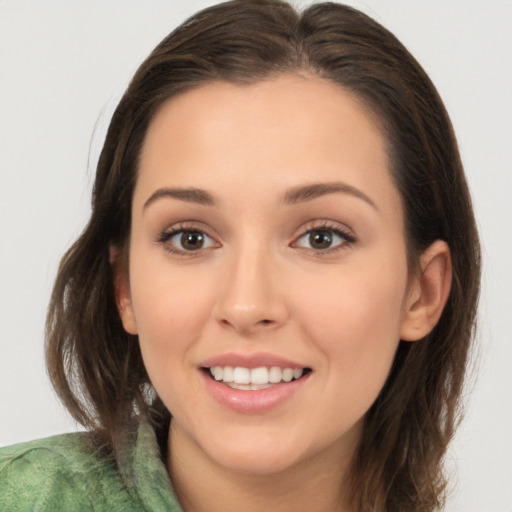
[[242, 375], [259, 376], [275, 374], [248, 387], [217, 372], [228, 374], [287, 374], [255, 378]]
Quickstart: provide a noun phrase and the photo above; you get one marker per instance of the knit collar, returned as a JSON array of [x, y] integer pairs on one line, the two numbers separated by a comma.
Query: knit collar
[[144, 473]]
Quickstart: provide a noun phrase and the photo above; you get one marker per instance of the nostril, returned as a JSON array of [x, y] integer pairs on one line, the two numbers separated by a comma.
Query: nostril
[[247, 327]]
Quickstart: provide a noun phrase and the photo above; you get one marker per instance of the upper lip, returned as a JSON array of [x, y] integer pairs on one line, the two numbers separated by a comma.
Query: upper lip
[[250, 361]]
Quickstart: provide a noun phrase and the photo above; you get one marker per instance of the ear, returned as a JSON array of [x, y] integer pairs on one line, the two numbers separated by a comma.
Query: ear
[[122, 290], [428, 292]]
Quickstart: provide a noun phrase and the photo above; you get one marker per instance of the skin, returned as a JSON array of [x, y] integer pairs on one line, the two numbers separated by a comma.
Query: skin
[[258, 285]]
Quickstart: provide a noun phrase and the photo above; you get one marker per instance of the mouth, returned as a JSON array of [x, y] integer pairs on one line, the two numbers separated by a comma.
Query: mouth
[[254, 379]]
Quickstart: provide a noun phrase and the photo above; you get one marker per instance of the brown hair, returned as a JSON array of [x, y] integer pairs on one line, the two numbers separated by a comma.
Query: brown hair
[[96, 367]]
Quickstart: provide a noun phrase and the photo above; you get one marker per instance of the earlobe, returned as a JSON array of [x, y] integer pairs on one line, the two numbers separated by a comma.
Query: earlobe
[[122, 291], [428, 293]]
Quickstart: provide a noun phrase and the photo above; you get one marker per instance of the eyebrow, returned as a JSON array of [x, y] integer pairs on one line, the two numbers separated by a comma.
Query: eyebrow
[[189, 195], [309, 192], [293, 196]]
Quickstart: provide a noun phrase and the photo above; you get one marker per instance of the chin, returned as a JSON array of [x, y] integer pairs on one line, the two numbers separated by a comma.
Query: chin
[[257, 462], [257, 454]]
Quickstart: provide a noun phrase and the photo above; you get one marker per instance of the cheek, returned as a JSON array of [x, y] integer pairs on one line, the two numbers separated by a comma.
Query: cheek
[[170, 313], [163, 313], [355, 322]]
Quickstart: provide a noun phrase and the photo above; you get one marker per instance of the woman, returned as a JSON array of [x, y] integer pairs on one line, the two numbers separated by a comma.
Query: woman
[[281, 255]]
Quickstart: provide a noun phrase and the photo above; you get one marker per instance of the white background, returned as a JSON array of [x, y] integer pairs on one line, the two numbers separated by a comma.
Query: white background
[[63, 67]]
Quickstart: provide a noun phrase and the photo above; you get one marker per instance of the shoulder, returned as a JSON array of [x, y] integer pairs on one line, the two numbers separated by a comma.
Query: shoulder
[[58, 473]]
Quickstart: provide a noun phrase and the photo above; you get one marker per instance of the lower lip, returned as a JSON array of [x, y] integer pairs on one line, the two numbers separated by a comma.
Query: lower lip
[[253, 401]]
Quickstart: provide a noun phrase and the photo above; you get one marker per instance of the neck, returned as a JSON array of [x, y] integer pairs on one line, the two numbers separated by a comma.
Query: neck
[[202, 485]]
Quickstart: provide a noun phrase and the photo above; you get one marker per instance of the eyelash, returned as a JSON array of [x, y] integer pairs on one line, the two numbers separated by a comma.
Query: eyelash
[[166, 237], [347, 239]]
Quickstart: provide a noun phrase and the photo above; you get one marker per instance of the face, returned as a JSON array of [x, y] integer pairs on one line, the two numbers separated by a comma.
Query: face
[[267, 244]]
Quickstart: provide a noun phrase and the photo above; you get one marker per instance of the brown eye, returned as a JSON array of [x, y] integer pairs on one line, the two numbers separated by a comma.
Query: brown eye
[[324, 240], [192, 240], [187, 241], [320, 239]]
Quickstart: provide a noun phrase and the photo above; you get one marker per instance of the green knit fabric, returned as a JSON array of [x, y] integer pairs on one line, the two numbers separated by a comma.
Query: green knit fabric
[[64, 473]]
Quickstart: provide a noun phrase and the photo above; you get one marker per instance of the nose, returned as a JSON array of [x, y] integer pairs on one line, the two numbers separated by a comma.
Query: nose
[[251, 298]]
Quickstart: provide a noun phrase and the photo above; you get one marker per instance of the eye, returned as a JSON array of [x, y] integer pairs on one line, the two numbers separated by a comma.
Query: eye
[[183, 241], [324, 239]]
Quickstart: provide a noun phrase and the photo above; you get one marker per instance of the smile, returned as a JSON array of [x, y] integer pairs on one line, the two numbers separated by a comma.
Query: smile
[[253, 384], [253, 379]]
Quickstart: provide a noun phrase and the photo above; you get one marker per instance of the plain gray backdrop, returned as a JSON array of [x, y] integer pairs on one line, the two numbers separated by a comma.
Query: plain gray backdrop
[[63, 67]]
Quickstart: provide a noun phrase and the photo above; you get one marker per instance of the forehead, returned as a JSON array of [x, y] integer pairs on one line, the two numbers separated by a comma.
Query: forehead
[[304, 106], [269, 135]]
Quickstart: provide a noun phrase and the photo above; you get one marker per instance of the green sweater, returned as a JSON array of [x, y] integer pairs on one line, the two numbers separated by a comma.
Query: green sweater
[[64, 473]]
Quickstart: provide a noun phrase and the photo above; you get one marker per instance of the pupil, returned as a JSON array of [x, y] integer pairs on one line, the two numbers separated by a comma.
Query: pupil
[[192, 240], [320, 239]]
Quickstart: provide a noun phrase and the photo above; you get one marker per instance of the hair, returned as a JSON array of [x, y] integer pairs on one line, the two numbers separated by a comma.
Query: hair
[[97, 368]]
